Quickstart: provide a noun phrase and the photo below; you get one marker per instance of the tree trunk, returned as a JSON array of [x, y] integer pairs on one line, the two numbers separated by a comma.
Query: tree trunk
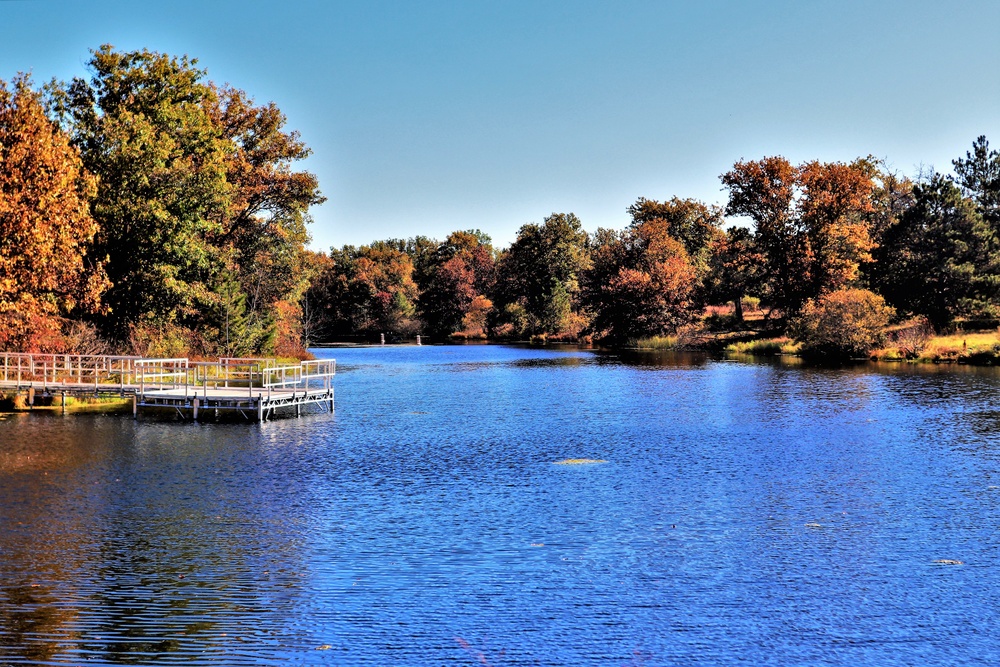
[[738, 308]]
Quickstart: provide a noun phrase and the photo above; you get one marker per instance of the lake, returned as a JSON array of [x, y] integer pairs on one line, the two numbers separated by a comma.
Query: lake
[[745, 513]]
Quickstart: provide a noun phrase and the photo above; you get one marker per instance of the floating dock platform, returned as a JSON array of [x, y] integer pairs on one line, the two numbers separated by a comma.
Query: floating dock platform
[[256, 388]]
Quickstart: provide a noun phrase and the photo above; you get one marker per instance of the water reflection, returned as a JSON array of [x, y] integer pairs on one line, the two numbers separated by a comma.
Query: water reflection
[[754, 512], [144, 550]]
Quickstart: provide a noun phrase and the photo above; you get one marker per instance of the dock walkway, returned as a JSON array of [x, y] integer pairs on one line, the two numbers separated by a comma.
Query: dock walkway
[[257, 388]]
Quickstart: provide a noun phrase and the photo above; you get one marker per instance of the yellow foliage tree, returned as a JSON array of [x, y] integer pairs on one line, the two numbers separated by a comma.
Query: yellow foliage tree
[[45, 226]]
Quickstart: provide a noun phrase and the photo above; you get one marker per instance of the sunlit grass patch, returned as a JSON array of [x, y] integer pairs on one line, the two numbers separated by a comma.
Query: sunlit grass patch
[[657, 343], [18, 402], [765, 347], [888, 354], [981, 347], [577, 462]]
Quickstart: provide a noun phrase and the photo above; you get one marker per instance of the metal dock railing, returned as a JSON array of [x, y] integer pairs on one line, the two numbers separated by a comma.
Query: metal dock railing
[[254, 387]]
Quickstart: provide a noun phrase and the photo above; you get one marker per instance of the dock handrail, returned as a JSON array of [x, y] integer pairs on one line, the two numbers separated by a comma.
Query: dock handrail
[[121, 372], [78, 369], [299, 376], [230, 383]]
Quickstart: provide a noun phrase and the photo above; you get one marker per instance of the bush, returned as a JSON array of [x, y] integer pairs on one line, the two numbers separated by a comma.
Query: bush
[[843, 324], [910, 338]]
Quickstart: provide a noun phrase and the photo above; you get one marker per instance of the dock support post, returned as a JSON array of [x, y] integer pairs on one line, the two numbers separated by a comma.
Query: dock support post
[[135, 406], [260, 408], [64, 402], [298, 410], [31, 397], [195, 411]]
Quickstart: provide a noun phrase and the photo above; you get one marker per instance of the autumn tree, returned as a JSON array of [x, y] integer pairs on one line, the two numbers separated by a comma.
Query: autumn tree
[[538, 277], [764, 191], [846, 323], [735, 268], [461, 271], [46, 273], [835, 213], [365, 290], [812, 223], [311, 304], [641, 282]]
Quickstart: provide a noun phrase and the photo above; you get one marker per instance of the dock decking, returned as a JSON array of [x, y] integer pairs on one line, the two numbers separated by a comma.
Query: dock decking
[[257, 388]]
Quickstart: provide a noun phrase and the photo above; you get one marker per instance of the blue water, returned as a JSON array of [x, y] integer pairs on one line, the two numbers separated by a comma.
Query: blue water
[[758, 514]]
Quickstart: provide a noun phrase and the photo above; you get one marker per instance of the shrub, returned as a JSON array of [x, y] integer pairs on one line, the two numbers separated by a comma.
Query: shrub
[[843, 324], [911, 337], [751, 304]]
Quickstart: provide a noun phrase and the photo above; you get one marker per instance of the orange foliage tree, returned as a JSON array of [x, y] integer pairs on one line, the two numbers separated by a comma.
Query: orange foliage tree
[[461, 272], [813, 223], [363, 291], [45, 226], [641, 283]]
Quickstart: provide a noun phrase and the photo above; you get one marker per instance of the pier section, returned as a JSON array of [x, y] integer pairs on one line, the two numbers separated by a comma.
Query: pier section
[[256, 388]]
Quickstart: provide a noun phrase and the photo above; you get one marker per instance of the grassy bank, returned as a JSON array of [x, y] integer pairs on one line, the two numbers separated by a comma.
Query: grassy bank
[[657, 343], [765, 347], [978, 348], [15, 402], [907, 342]]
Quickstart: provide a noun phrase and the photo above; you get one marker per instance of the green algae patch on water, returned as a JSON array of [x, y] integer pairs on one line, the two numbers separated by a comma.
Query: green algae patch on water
[[579, 462]]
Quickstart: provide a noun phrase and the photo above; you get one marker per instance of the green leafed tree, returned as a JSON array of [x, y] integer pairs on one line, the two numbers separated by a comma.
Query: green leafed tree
[[264, 228], [690, 221], [978, 175], [144, 127], [942, 259], [538, 277], [196, 189]]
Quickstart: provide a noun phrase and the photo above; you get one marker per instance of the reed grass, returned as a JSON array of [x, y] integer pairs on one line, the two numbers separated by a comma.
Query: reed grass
[[765, 347], [657, 343]]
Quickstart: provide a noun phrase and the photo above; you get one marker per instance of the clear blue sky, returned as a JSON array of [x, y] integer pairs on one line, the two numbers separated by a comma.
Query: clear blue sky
[[426, 117]]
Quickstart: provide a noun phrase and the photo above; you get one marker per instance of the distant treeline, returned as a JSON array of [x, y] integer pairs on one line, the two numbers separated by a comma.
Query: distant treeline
[[149, 210], [857, 232]]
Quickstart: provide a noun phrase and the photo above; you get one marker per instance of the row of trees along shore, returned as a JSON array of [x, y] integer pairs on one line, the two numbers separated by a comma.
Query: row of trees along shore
[[819, 246], [149, 210]]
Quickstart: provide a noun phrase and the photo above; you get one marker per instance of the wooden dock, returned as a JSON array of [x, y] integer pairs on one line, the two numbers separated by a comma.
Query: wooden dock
[[257, 388]]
